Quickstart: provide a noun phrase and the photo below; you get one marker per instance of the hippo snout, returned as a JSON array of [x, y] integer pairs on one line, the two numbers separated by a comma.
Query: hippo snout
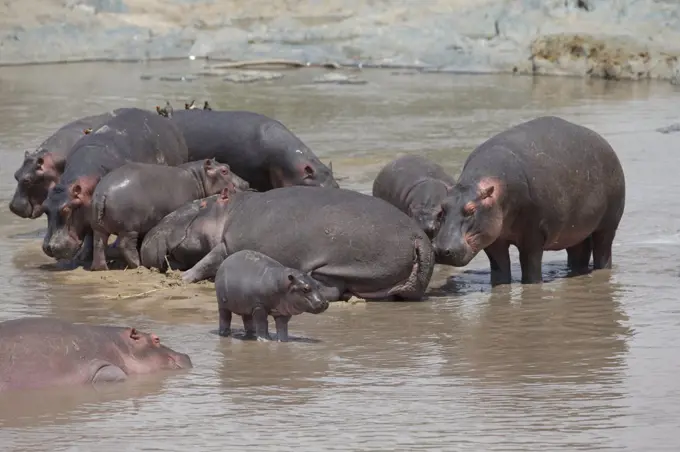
[[317, 304], [21, 207], [458, 256]]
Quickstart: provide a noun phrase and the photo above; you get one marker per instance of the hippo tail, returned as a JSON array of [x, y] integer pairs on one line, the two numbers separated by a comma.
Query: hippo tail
[[423, 266]]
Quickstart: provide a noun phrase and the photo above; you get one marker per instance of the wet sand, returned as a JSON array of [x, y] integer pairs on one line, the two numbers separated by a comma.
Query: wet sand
[[585, 363]]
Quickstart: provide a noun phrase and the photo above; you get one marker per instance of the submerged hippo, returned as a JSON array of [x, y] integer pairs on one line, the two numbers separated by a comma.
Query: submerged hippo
[[546, 184], [417, 187], [351, 243], [258, 148], [40, 352], [185, 236], [132, 199], [133, 135], [255, 286], [43, 167]]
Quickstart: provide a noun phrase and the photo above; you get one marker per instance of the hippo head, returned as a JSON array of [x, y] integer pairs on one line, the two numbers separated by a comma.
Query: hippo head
[[68, 208], [472, 219], [302, 295], [39, 172], [143, 353], [425, 204], [304, 171], [218, 176]]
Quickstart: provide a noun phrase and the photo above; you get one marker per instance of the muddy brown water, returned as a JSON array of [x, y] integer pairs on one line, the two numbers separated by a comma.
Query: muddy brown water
[[586, 363]]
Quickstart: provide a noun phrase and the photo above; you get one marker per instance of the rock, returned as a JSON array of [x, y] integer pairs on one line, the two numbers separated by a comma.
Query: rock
[[670, 129], [246, 76], [339, 79]]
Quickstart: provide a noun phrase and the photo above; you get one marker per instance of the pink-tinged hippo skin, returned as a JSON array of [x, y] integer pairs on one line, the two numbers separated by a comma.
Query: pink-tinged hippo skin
[[258, 148], [133, 135], [255, 286], [134, 198], [417, 187], [543, 185], [39, 352], [351, 243], [42, 168]]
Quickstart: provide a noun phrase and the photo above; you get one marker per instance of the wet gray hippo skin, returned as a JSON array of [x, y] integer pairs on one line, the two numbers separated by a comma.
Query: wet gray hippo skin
[[133, 135], [544, 185], [417, 186], [134, 198], [185, 236], [42, 168], [44, 352], [258, 148], [255, 286], [351, 243]]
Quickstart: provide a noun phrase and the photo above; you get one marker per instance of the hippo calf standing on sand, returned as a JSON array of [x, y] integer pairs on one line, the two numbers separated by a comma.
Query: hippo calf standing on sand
[[351, 243], [133, 135], [546, 184], [185, 236], [417, 187], [43, 167], [254, 286], [132, 199], [258, 148], [39, 352]]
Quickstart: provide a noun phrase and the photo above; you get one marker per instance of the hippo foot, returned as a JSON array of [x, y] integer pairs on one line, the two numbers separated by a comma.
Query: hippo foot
[[225, 332], [266, 338], [99, 266]]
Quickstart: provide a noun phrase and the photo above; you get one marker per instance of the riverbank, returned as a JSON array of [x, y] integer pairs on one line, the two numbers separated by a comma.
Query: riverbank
[[614, 39]]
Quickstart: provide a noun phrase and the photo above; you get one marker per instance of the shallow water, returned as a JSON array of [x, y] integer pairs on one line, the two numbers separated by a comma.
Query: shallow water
[[586, 363]]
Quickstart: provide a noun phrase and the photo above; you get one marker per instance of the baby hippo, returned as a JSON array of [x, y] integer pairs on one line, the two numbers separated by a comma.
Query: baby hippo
[[254, 286], [132, 199], [417, 187]]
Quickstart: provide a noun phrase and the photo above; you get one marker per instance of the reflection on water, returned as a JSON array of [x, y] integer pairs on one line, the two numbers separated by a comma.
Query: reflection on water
[[584, 363]]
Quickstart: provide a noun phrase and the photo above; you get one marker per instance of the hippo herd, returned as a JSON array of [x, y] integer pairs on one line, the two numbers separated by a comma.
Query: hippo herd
[[236, 197]]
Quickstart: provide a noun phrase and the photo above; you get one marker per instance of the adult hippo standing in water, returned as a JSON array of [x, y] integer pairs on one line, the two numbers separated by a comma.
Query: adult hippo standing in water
[[417, 187], [185, 236], [39, 352], [543, 185], [258, 148], [43, 167], [133, 135], [351, 243]]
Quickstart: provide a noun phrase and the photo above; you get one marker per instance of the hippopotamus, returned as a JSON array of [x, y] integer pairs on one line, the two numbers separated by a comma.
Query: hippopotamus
[[185, 236], [543, 185], [351, 243], [258, 148], [133, 135], [42, 168], [133, 198], [255, 286], [41, 352], [417, 187]]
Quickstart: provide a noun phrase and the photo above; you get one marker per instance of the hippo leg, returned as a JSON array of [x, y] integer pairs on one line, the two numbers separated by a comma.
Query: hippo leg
[[602, 248], [248, 326], [206, 267], [578, 257], [261, 324], [225, 322], [499, 260], [531, 261], [99, 251], [282, 327], [128, 248], [105, 372]]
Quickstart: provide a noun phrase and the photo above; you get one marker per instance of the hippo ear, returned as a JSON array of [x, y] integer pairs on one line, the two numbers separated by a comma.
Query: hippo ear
[[486, 192], [330, 166], [134, 334], [26, 154]]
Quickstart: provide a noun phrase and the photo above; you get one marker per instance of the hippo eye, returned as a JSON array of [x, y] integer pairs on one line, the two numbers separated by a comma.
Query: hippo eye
[[39, 161], [309, 171], [224, 171], [469, 209], [306, 289]]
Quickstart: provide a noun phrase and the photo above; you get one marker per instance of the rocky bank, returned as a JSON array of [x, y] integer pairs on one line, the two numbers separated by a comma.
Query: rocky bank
[[617, 39]]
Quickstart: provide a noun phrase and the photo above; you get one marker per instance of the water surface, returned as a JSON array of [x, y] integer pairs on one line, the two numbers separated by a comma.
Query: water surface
[[586, 363]]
